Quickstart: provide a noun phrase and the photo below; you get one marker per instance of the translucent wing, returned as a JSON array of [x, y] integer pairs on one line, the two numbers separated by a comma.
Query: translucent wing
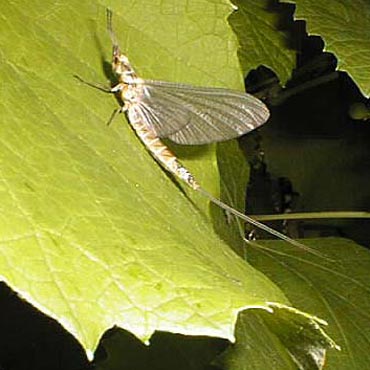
[[198, 115]]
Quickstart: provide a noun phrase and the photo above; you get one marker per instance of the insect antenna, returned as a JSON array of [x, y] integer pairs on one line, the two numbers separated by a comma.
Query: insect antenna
[[110, 28]]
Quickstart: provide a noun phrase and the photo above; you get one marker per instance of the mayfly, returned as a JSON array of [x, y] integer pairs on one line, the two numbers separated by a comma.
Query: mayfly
[[187, 115]]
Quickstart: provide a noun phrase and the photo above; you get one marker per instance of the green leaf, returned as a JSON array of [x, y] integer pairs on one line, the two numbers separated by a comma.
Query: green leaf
[[255, 348], [93, 232], [345, 29], [263, 342], [255, 25], [337, 290]]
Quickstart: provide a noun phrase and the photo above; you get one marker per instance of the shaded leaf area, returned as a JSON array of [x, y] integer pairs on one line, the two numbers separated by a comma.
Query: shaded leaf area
[[255, 24], [93, 232], [256, 347], [344, 27], [234, 170], [336, 289], [119, 350], [262, 342], [305, 341]]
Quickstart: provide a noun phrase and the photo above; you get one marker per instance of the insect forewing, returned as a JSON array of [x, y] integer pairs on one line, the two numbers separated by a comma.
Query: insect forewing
[[191, 115]]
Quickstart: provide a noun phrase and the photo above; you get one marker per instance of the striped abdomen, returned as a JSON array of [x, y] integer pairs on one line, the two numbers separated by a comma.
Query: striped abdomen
[[159, 150]]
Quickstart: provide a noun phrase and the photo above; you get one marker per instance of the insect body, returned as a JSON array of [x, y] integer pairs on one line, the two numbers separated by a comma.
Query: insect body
[[187, 115], [182, 113]]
